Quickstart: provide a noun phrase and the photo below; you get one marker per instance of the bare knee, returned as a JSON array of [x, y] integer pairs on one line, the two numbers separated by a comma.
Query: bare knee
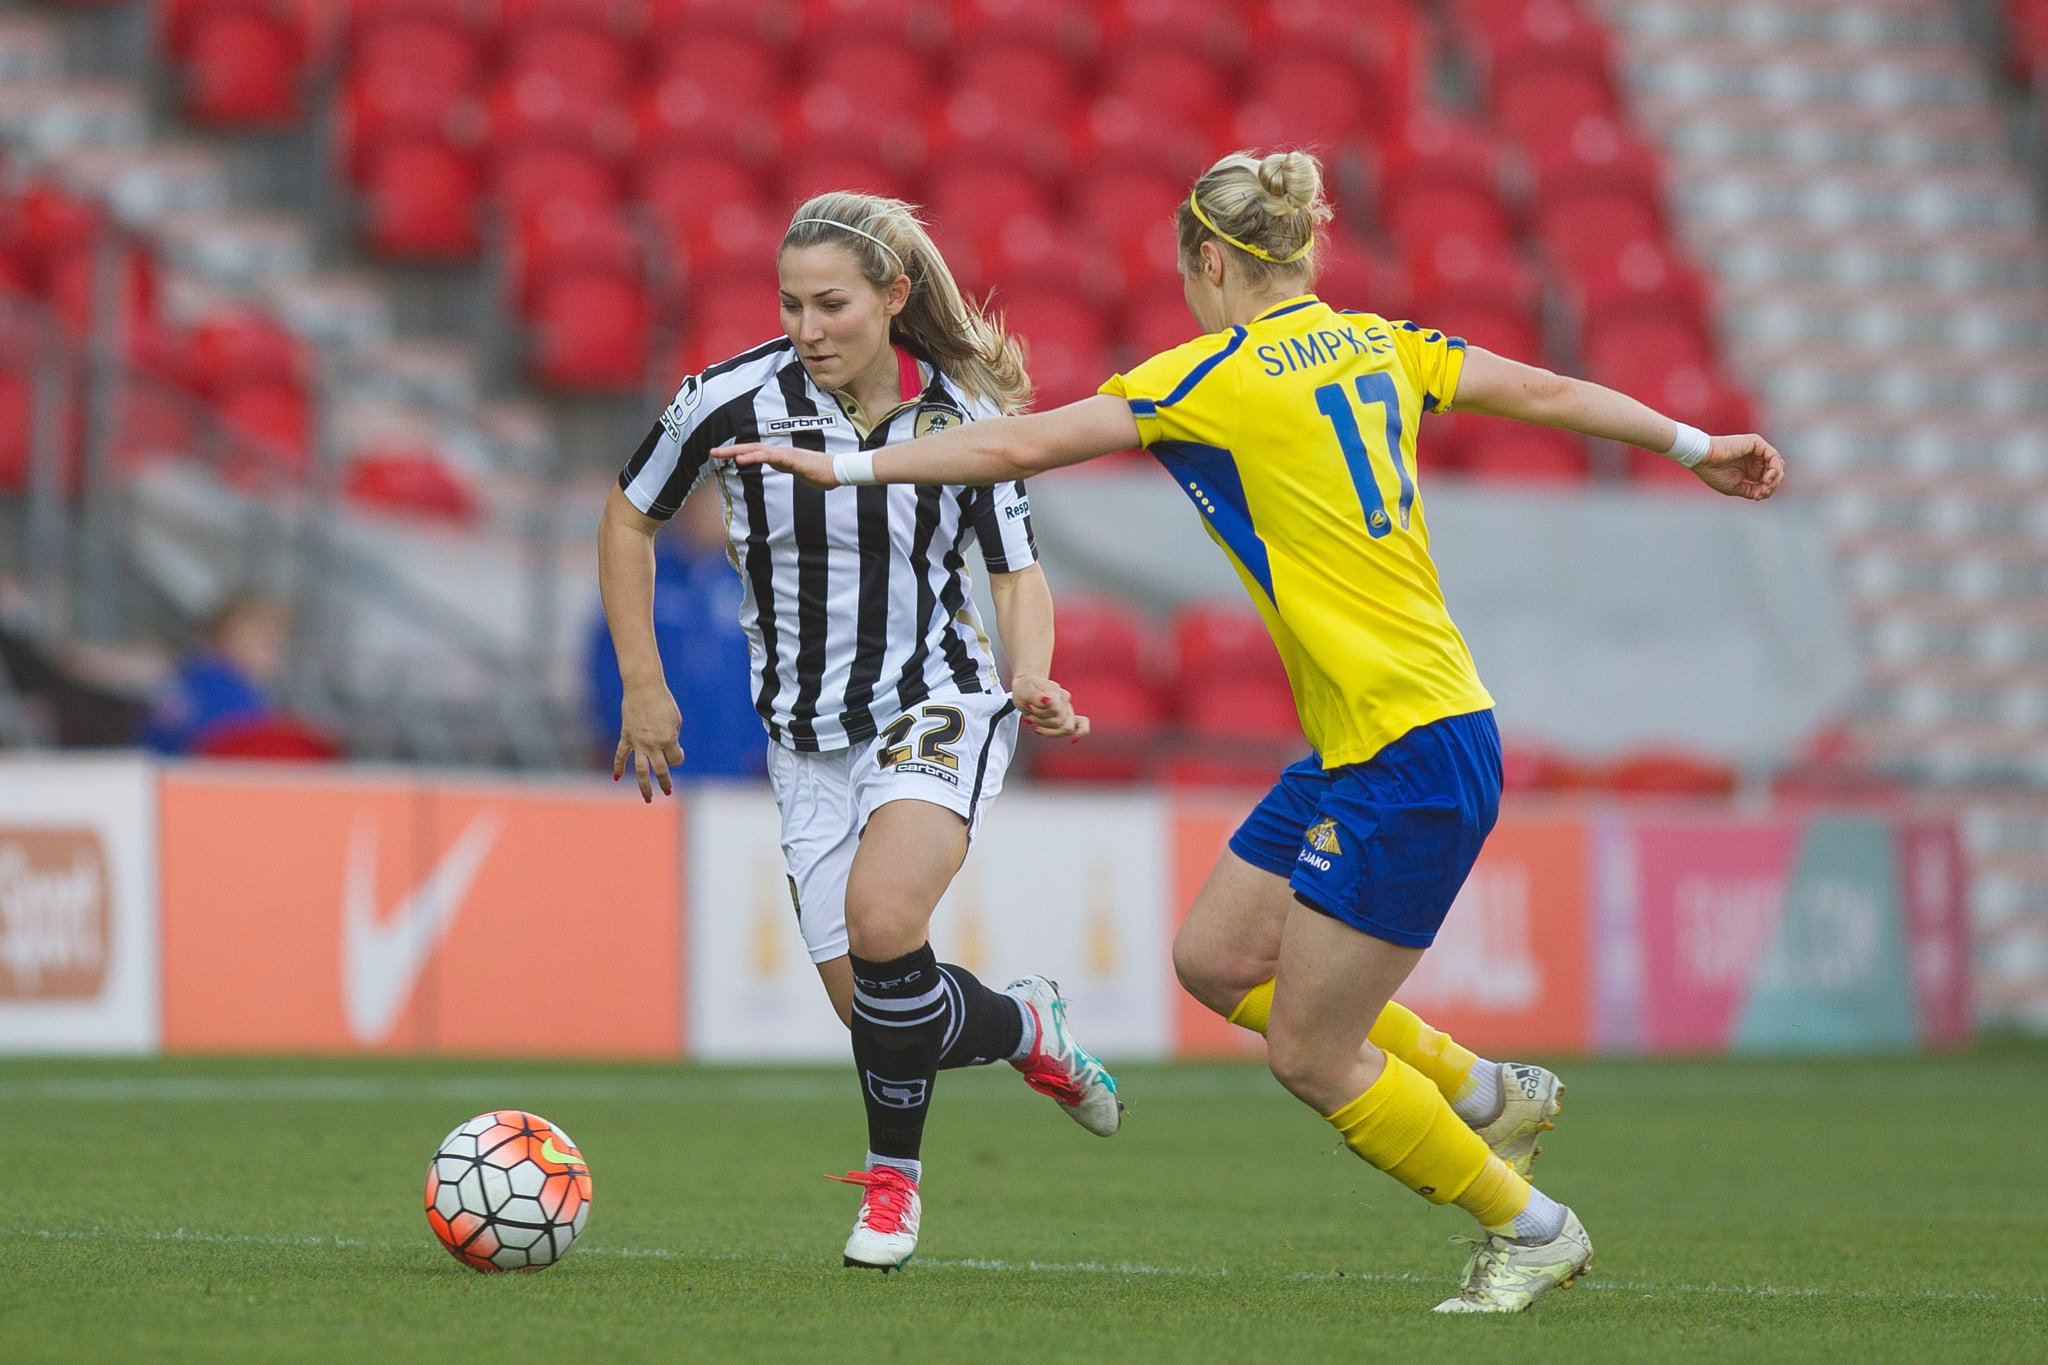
[[1323, 1077], [1217, 974]]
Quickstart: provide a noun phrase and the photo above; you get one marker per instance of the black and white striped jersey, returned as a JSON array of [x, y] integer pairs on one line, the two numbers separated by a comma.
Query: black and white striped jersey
[[856, 601]]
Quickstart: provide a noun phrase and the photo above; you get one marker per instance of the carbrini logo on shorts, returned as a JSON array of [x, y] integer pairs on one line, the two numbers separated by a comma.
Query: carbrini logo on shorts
[[56, 913]]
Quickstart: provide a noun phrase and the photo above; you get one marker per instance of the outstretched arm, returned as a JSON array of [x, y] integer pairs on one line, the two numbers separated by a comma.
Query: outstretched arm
[[1740, 466], [997, 450]]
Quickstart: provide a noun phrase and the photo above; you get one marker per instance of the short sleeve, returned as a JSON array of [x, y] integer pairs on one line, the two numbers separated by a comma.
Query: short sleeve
[[674, 454], [1432, 361], [1185, 394], [1002, 523]]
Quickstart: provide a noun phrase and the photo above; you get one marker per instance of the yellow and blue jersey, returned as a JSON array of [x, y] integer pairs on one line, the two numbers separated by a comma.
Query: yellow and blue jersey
[[1295, 436]]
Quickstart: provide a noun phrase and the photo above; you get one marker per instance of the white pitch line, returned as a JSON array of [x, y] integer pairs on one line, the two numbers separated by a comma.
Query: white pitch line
[[1124, 1268], [544, 1088]]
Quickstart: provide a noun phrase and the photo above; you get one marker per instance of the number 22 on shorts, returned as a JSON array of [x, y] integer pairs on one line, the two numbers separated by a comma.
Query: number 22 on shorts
[[948, 724]]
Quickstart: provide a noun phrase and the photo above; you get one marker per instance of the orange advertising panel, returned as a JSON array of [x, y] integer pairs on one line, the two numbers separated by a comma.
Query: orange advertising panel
[[310, 911], [1509, 970]]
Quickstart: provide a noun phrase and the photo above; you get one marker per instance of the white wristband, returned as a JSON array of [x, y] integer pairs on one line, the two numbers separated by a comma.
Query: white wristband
[[1691, 446], [856, 466]]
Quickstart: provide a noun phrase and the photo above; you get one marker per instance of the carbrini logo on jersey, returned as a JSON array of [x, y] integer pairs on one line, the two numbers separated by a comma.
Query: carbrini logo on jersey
[[56, 914], [1322, 838]]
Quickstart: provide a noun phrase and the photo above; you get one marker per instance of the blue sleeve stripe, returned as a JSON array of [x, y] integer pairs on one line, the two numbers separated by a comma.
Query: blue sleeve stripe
[[1143, 407], [1455, 343], [1201, 371]]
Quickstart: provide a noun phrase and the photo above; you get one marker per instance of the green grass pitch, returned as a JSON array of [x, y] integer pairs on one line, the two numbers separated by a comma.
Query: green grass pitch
[[1875, 1210]]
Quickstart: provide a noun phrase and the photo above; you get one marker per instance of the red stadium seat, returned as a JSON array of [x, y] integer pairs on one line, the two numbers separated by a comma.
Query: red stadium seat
[[525, 175], [977, 201], [1126, 725], [409, 480], [243, 70], [531, 108], [589, 66], [17, 409], [1066, 345], [1309, 101], [421, 195], [278, 738], [875, 72], [1382, 39], [555, 236], [239, 346], [1595, 227], [272, 413], [1430, 213], [1063, 27], [1033, 255], [613, 16], [1216, 643], [1158, 320], [770, 21], [590, 333], [1595, 156], [818, 170], [1453, 276], [899, 23], [1536, 104], [1633, 349], [1238, 733], [693, 112], [417, 66], [1523, 34], [1101, 635], [1123, 205], [1500, 449], [735, 240], [1497, 327], [1670, 772], [1641, 277], [684, 190], [1179, 86], [1350, 278], [1212, 29], [1010, 104]]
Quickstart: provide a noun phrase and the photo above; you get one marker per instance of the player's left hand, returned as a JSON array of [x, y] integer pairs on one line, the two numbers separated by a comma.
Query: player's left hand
[[814, 467], [1741, 467], [1047, 708]]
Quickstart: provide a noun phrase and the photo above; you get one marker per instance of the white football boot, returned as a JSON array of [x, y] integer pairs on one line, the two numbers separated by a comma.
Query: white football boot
[[1504, 1276], [1058, 1066], [1530, 1098], [885, 1232]]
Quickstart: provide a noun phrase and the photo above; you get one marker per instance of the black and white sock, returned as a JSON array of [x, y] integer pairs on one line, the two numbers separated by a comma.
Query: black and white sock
[[901, 1012], [985, 1026]]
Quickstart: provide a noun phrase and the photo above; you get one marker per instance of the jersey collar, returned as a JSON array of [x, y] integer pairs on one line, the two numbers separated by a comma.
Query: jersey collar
[[910, 386], [1294, 304]]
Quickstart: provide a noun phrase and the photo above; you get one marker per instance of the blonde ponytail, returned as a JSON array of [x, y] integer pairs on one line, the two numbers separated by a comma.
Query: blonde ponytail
[[1263, 210], [945, 326]]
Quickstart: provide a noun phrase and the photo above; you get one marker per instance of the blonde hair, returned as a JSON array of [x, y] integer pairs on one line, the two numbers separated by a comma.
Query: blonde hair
[[1259, 204], [949, 329]]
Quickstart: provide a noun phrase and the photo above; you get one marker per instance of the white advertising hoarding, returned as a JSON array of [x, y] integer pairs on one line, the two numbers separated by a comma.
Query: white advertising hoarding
[[1073, 887], [78, 915]]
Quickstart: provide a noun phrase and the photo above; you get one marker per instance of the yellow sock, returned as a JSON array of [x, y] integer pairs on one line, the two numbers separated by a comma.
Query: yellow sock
[[1404, 1126], [1398, 1032]]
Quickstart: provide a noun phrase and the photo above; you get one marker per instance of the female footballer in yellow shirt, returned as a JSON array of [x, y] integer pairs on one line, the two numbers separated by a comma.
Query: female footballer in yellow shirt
[[1292, 428]]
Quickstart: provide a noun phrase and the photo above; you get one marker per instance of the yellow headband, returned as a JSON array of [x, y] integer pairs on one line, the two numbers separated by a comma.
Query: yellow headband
[[1247, 247]]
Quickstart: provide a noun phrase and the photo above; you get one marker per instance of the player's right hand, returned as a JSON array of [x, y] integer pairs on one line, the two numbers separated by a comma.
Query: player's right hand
[[649, 723], [1742, 467], [1047, 708]]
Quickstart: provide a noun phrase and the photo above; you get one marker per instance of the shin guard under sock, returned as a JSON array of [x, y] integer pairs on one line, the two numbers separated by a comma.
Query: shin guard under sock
[[900, 1012], [1404, 1126]]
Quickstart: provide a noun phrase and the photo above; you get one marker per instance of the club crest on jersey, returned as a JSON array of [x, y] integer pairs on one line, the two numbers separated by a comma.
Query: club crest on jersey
[[935, 418], [777, 426], [1322, 837]]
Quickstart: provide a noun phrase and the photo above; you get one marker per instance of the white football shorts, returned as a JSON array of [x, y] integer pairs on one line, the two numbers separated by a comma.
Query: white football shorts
[[950, 750]]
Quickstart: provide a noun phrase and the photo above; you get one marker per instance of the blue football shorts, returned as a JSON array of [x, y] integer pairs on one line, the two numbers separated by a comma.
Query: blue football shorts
[[1385, 844]]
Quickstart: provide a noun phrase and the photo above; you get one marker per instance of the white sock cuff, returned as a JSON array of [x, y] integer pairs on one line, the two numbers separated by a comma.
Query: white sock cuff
[[1541, 1220], [1483, 1105], [1028, 1039], [910, 1166]]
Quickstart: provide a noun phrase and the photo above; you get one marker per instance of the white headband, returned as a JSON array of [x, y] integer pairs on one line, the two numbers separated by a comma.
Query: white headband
[[858, 232]]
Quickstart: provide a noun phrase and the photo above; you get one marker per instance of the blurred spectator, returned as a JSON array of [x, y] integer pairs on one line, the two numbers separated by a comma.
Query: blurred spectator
[[226, 682], [703, 651]]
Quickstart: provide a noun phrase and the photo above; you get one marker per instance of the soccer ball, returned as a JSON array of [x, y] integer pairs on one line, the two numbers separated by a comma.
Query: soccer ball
[[508, 1191]]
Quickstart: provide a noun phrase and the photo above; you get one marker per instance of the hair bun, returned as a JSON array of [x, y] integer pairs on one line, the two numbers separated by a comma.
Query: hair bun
[[1292, 181]]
